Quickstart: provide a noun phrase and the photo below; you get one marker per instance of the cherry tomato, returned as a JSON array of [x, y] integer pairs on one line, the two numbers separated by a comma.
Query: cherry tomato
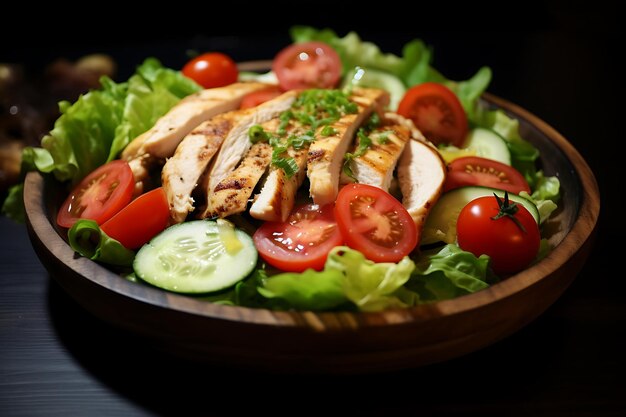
[[259, 97], [511, 245], [302, 242], [375, 223], [139, 221], [99, 195], [211, 70], [307, 65], [436, 111], [474, 170]]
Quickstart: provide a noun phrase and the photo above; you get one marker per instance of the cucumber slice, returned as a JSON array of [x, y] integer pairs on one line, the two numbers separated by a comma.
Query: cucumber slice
[[366, 77], [191, 258], [441, 222], [488, 144]]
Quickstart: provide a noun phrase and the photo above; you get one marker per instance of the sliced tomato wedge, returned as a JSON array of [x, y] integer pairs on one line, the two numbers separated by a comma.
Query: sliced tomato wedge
[[307, 65], [437, 112], [302, 242], [141, 220], [373, 222], [99, 195], [259, 97], [474, 170]]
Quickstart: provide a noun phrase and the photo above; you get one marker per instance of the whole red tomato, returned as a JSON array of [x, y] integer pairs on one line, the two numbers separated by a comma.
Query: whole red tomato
[[211, 70], [505, 231]]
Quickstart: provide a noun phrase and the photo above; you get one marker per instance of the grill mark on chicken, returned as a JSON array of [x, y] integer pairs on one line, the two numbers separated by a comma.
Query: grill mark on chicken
[[228, 184], [376, 165], [315, 155], [182, 171], [277, 197], [237, 143], [231, 195], [327, 152]]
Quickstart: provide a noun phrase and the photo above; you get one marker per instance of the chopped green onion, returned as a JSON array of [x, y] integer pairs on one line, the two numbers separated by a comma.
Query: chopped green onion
[[287, 164], [328, 131], [257, 134]]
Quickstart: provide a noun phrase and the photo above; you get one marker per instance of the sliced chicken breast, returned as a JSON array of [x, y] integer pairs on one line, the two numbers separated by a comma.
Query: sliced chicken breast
[[163, 138], [237, 142], [278, 195], [231, 195], [325, 156], [408, 123], [375, 167], [205, 144], [131, 151], [421, 174], [181, 172], [141, 167]]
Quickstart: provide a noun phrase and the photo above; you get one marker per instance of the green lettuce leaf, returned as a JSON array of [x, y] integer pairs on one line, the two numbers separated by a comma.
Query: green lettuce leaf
[[447, 273], [545, 195], [546, 188], [469, 91], [309, 290], [348, 279], [13, 206], [86, 238], [369, 285], [151, 93]]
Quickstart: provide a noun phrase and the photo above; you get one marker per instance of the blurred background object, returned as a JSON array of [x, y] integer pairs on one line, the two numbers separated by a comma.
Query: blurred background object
[[29, 103]]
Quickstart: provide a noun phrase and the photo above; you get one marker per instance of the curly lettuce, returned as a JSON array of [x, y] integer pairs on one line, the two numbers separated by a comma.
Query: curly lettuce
[[349, 278]]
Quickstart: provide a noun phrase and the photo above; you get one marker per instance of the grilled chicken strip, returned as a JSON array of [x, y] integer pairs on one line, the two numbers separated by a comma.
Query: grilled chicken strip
[[231, 195], [325, 156], [163, 138], [141, 167], [407, 123], [237, 142], [207, 143], [131, 151], [421, 173], [375, 167], [277, 197], [181, 172]]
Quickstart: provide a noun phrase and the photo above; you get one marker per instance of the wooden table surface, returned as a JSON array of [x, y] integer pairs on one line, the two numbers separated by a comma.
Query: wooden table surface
[[57, 360]]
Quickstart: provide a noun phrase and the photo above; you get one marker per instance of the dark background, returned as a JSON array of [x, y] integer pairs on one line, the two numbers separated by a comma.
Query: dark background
[[560, 63]]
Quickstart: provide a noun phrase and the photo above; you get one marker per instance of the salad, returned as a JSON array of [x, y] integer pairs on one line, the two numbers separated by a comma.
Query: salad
[[343, 179]]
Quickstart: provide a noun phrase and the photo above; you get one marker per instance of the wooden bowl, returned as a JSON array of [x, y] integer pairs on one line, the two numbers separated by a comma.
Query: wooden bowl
[[335, 342]]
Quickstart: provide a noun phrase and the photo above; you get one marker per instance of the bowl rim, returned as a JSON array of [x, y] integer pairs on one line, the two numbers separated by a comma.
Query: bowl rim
[[580, 232]]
